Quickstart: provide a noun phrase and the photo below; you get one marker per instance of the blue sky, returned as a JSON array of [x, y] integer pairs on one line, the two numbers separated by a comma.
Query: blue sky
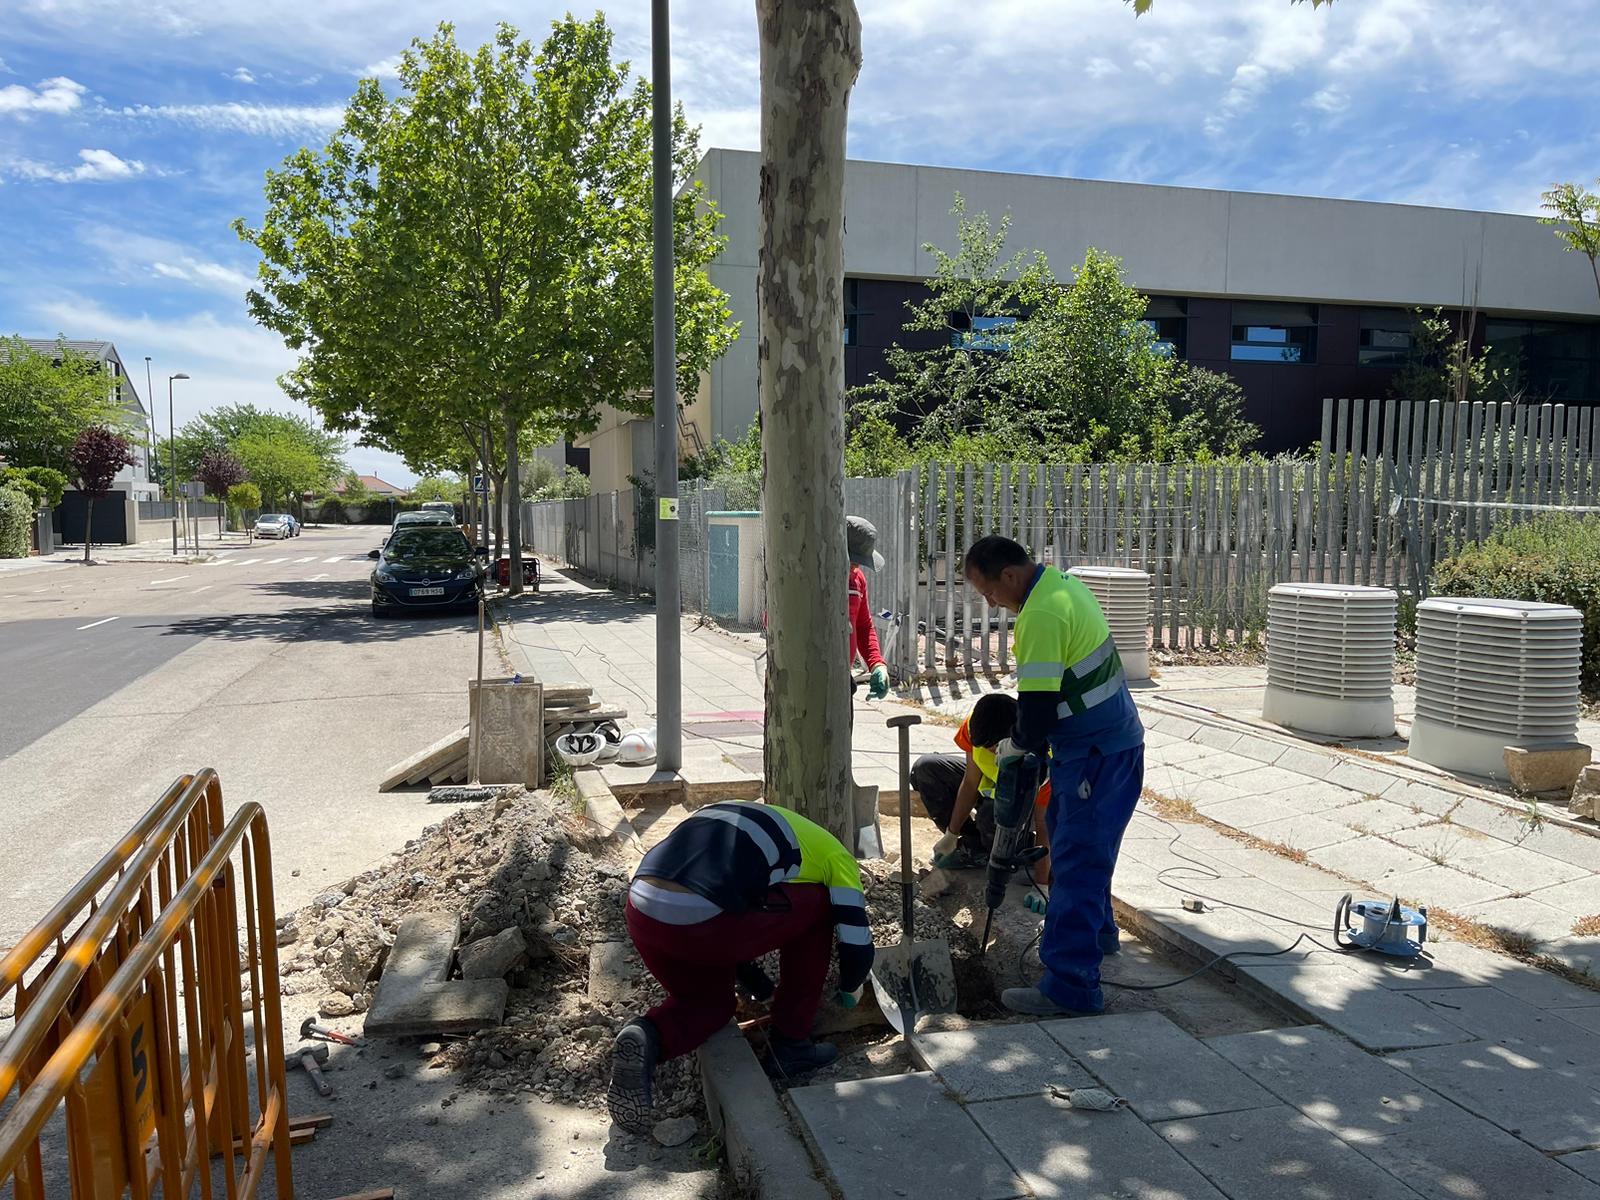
[[133, 131]]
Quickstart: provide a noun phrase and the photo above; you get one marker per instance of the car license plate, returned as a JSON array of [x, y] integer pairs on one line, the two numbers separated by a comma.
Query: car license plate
[[427, 591]]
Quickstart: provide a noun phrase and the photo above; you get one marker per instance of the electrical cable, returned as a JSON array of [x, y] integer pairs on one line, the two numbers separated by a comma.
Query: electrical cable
[[1206, 871]]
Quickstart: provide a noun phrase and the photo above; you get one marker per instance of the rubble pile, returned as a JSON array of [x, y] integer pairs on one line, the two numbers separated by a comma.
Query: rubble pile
[[534, 888]]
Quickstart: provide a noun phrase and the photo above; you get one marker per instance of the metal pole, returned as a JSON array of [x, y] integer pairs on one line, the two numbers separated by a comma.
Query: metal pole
[[172, 467], [669, 665], [150, 424]]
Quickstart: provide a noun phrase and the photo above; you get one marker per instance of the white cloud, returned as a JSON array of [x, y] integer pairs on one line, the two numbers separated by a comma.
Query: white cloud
[[5, 70], [131, 256], [1098, 68], [1330, 100], [268, 120], [384, 68], [97, 166], [242, 75], [53, 96]]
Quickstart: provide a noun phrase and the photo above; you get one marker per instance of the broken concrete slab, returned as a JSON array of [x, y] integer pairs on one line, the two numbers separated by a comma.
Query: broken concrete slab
[[1278, 1154], [1547, 1103], [1159, 1069], [614, 968], [1425, 1141], [992, 1062], [869, 1131], [601, 809], [1546, 768], [423, 762], [413, 996], [1377, 1018], [1061, 1152], [1585, 801], [492, 957]]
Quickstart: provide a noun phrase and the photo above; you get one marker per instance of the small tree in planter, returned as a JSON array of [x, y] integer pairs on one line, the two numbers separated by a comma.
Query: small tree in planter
[[218, 471], [246, 497], [95, 459]]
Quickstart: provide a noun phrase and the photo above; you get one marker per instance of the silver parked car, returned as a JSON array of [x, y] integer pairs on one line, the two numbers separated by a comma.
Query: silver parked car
[[274, 525]]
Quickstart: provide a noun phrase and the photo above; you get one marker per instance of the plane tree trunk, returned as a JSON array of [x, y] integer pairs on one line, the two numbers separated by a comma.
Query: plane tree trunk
[[810, 56]]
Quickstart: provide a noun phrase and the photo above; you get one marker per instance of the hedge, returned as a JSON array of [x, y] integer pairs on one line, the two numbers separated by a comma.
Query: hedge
[[16, 515], [1554, 558]]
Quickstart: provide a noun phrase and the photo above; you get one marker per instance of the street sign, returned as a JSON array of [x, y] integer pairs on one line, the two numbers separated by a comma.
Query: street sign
[[479, 484]]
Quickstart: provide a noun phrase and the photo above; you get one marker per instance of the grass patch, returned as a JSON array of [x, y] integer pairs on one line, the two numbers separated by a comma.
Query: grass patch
[[1587, 926]]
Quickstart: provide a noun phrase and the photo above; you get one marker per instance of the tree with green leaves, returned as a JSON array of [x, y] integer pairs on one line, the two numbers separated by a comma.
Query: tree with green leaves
[[283, 468], [94, 460], [469, 258], [1444, 366], [432, 487], [44, 486], [1575, 214], [47, 400], [223, 427], [243, 498]]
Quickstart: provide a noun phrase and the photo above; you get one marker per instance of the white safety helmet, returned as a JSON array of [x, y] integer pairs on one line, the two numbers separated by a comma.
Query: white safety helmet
[[579, 749], [637, 747], [610, 741]]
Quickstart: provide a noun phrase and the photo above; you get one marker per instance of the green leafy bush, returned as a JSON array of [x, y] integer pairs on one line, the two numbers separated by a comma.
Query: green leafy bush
[[1554, 558], [16, 514]]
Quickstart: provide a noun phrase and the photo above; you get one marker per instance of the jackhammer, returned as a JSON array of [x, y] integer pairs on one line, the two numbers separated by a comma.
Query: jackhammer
[[1015, 788]]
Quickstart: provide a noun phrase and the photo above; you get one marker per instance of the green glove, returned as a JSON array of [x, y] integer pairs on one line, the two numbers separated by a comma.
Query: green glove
[[846, 999], [880, 682]]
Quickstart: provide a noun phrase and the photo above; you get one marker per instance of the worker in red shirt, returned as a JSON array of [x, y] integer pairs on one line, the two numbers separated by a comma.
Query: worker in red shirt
[[861, 538]]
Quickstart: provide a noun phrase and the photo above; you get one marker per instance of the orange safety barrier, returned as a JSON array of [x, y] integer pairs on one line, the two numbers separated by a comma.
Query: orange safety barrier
[[131, 999]]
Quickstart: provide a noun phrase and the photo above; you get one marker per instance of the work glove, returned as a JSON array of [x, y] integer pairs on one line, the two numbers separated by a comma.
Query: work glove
[[880, 683], [944, 851], [847, 999], [1007, 751]]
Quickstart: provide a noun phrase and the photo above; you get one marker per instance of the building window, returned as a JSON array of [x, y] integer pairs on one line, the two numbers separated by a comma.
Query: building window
[[853, 312], [980, 332], [1388, 337], [1282, 333], [1168, 318], [1548, 360]]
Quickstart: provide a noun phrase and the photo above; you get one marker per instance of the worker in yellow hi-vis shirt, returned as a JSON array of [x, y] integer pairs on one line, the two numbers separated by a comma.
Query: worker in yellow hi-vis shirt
[[1072, 699]]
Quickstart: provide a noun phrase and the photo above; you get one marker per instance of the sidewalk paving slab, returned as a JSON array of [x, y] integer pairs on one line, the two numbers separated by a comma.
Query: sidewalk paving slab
[[1523, 916], [1358, 776], [1368, 858], [996, 1062], [1379, 816], [902, 1135], [1159, 1069], [1438, 1149], [1443, 887], [1545, 1102], [1584, 1162], [1064, 1154], [1244, 812], [1496, 1016], [1375, 1018], [1304, 831], [1278, 1154]]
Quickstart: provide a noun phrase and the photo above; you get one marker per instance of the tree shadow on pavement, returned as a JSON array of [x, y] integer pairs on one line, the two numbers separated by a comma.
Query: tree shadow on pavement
[[342, 623]]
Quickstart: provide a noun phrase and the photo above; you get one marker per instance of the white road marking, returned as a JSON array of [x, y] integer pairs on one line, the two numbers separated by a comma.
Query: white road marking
[[335, 558], [92, 624], [198, 590], [272, 561], [246, 562], [169, 579], [307, 558], [314, 578]]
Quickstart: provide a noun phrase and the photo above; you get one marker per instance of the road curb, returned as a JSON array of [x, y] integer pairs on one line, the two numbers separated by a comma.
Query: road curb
[[766, 1154]]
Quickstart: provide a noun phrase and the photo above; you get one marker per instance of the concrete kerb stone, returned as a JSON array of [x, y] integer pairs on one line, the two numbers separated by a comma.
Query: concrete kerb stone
[[766, 1153]]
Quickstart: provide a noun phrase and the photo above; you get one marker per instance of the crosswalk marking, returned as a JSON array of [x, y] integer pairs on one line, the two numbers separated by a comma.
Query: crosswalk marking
[[246, 562], [274, 561], [92, 624], [198, 590], [335, 558], [307, 558], [169, 579]]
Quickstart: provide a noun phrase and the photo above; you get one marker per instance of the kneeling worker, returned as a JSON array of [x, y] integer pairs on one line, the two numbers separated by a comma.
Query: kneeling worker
[[736, 881], [1072, 699], [956, 787]]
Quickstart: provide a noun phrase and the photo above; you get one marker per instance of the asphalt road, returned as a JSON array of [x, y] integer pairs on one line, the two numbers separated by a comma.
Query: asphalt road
[[264, 663]]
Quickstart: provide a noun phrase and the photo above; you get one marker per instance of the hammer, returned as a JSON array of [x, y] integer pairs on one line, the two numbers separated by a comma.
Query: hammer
[[310, 1059], [310, 1029]]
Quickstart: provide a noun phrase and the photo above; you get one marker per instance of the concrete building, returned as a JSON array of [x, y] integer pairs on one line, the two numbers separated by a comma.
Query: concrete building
[[134, 481], [1297, 297]]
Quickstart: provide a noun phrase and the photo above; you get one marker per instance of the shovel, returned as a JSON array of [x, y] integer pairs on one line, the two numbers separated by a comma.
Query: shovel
[[911, 978]]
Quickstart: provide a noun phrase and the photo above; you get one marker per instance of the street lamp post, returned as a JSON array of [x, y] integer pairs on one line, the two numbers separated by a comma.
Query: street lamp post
[[669, 665], [172, 462], [150, 424]]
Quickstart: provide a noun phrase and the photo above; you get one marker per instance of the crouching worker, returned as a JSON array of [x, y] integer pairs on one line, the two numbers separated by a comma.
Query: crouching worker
[[736, 881], [958, 789]]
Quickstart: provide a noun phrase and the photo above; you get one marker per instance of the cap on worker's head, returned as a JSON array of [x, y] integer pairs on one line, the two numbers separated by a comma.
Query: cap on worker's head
[[861, 536]]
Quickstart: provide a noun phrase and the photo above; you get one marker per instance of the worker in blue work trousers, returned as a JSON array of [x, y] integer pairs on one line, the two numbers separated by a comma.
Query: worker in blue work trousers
[[1072, 699]]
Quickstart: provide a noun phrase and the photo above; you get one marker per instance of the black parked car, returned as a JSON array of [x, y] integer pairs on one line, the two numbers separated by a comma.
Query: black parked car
[[426, 567]]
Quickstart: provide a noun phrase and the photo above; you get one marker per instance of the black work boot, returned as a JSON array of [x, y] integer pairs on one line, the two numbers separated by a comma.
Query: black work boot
[[633, 1065], [753, 981], [789, 1058]]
